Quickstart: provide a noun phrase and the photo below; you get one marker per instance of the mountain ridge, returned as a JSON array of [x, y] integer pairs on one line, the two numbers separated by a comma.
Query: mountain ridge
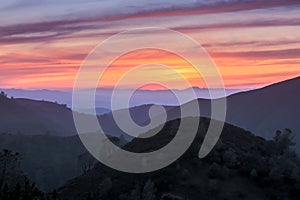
[[246, 109]]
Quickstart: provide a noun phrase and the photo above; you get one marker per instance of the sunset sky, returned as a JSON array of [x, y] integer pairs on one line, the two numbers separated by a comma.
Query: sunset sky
[[253, 43]]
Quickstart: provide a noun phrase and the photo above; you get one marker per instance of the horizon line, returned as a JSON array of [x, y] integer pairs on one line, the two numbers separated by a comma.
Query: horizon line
[[150, 90]]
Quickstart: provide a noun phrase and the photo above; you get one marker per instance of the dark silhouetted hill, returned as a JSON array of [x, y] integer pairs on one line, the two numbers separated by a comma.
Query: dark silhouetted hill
[[35, 117], [263, 111], [241, 166]]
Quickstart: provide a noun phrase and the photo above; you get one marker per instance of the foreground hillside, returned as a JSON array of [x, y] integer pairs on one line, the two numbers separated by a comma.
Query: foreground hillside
[[241, 166], [47, 160]]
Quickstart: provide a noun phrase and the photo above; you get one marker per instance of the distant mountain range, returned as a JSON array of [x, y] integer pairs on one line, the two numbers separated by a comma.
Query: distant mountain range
[[260, 111], [103, 96]]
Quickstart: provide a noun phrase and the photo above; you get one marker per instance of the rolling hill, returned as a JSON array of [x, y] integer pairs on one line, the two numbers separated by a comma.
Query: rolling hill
[[241, 166], [266, 110], [32, 117]]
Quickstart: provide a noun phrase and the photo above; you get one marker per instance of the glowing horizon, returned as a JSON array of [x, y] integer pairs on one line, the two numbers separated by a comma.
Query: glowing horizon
[[253, 44]]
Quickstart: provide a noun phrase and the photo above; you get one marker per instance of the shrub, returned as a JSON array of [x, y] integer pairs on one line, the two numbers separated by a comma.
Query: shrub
[[149, 191]]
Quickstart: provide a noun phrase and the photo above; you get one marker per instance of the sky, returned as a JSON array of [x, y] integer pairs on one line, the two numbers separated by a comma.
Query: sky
[[252, 42]]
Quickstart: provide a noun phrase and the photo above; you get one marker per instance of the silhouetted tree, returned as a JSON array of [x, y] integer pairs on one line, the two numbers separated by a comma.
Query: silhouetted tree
[[86, 161], [8, 162], [25, 191], [3, 94], [283, 141], [54, 195], [30, 191]]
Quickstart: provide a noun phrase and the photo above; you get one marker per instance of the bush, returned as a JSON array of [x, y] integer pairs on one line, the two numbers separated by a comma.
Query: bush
[[149, 191], [230, 159], [283, 141], [217, 171]]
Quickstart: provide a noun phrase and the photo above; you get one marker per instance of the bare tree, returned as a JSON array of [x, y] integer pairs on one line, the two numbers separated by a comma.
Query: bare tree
[[86, 161]]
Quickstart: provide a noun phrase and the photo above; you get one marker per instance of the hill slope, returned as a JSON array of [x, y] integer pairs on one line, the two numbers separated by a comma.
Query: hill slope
[[241, 166], [49, 161], [265, 110], [35, 117], [262, 111]]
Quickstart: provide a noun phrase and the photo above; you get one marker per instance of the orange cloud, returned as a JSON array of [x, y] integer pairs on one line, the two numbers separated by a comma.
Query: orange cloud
[[249, 53], [151, 56]]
